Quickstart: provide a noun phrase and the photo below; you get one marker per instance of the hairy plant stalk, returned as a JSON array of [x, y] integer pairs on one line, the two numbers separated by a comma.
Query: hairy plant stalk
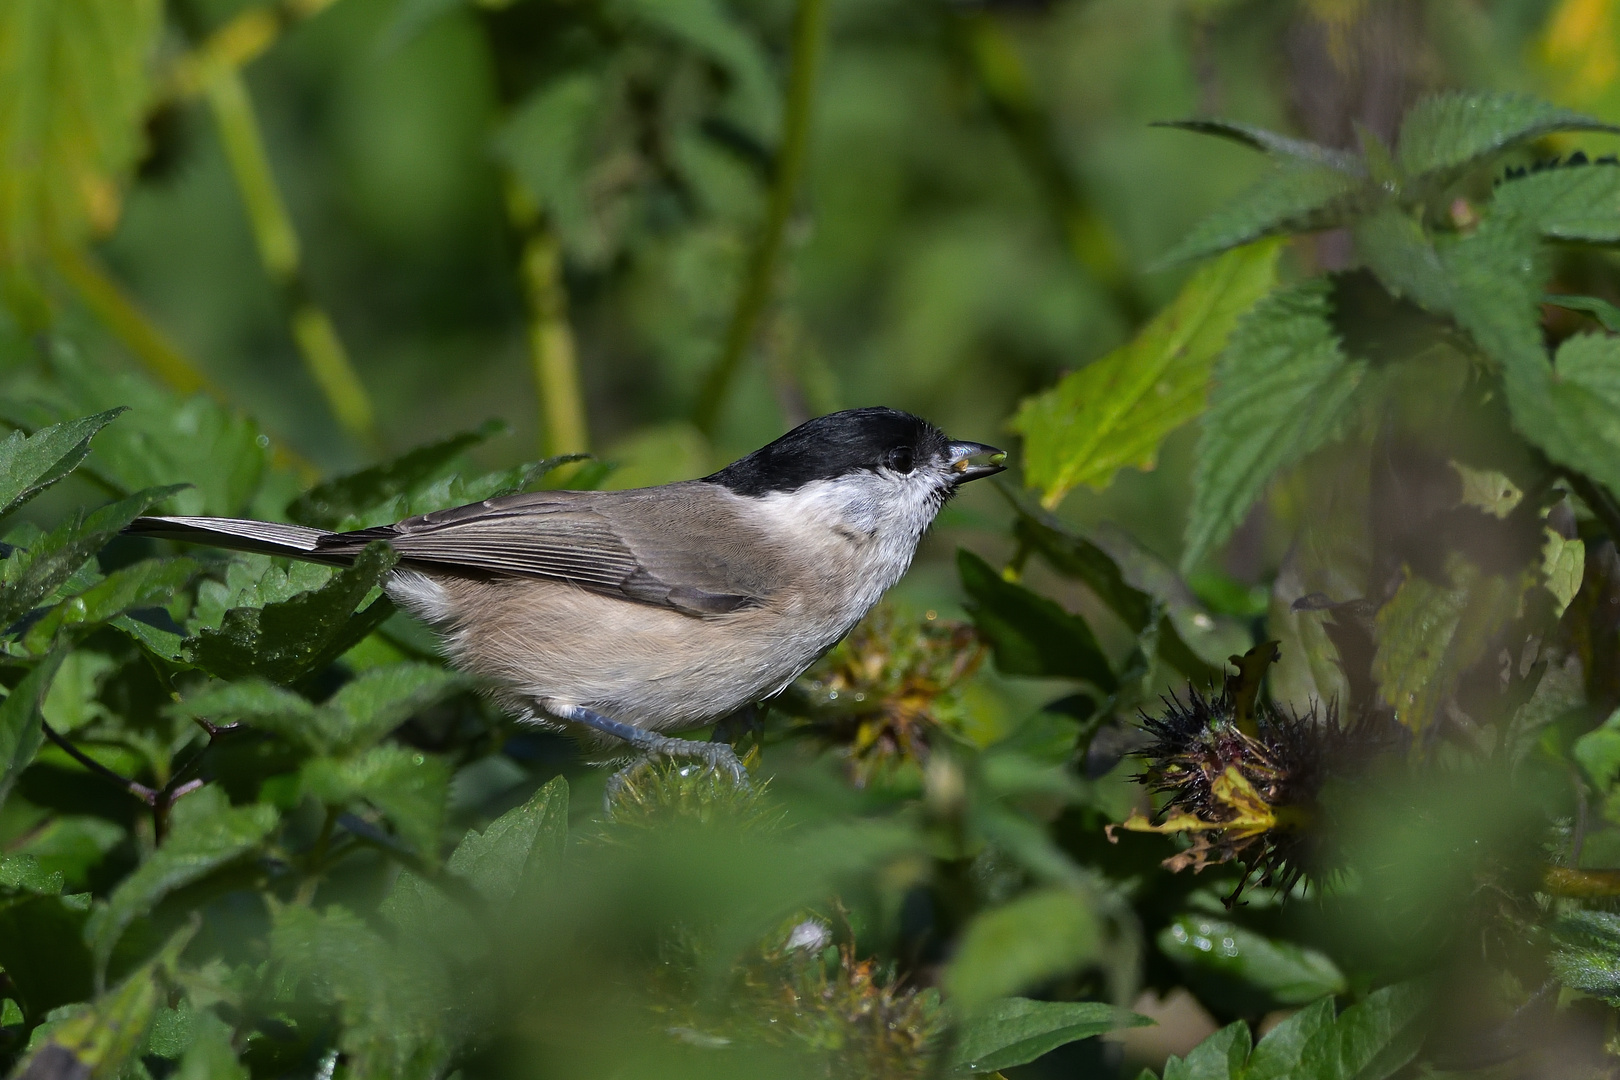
[[563, 425], [312, 329], [809, 30]]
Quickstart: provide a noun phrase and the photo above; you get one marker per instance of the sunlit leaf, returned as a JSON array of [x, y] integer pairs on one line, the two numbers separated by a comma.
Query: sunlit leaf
[[522, 844], [368, 707], [143, 584], [1588, 954], [1285, 972], [1290, 197], [1114, 412], [31, 463], [405, 785], [1282, 388], [1277, 1057], [73, 83], [1563, 566], [1271, 142], [1219, 1057]]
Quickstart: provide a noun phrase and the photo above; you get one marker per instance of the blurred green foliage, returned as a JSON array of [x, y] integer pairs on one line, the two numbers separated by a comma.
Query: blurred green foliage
[[1341, 377]]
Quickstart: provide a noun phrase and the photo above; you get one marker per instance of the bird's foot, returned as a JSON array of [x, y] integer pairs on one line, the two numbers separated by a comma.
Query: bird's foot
[[718, 756]]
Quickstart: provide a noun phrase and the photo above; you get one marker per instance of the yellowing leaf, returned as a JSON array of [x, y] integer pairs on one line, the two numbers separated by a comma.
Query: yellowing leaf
[[1251, 814], [1489, 491], [1563, 564], [73, 90], [1115, 412]]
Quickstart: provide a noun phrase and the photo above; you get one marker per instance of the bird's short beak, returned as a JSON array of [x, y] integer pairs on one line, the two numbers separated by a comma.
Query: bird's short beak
[[965, 468]]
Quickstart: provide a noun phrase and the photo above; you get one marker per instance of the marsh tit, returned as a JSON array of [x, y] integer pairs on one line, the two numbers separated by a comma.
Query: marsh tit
[[629, 614]]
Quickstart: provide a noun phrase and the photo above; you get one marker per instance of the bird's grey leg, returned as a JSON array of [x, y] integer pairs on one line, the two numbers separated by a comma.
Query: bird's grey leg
[[717, 755]]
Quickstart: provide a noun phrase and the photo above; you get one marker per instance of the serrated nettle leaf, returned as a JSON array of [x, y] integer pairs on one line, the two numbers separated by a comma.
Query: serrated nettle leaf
[[1013, 1031], [393, 1024], [338, 501], [1430, 633], [1445, 133], [206, 833], [1572, 410], [407, 786], [75, 85], [100, 1040], [141, 585], [1030, 634], [31, 575], [31, 463], [253, 581], [1283, 388], [1114, 412], [1219, 1057], [1576, 203], [1287, 973], [1563, 566], [210, 1056], [71, 701], [1038, 936], [1290, 197], [1271, 142], [20, 733], [368, 707], [291, 639], [1392, 243], [71, 845], [523, 844]]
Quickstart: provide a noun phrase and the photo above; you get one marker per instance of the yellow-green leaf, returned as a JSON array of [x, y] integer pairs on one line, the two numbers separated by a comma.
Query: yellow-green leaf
[[73, 92], [1115, 412], [1563, 564]]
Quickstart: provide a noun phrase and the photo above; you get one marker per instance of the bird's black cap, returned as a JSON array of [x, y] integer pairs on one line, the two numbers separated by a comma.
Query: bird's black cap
[[834, 445]]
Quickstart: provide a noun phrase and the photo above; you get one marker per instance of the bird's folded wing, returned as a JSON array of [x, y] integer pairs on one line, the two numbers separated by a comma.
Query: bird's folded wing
[[657, 552]]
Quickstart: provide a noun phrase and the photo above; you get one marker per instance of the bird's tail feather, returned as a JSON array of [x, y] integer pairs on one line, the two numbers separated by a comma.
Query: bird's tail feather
[[240, 534]]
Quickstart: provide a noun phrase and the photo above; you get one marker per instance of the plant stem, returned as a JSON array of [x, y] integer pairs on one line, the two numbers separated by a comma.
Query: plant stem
[[245, 37], [809, 30], [277, 241], [563, 424]]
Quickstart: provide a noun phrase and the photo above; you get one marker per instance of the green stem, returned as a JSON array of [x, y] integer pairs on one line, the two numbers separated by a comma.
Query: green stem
[[277, 241], [809, 30], [563, 425]]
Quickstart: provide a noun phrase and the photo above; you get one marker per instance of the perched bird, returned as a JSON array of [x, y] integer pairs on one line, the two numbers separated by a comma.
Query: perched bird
[[629, 614]]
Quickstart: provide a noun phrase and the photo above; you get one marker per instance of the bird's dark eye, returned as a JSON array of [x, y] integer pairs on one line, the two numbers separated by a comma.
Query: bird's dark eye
[[900, 459]]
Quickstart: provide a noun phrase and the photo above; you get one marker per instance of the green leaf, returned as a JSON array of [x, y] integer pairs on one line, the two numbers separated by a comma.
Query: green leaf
[[1279, 1053], [368, 707], [1445, 133], [1040, 935], [143, 584], [1572, 203], [521, 845], [1013, 1031], [1283, 146], [1429, 634], [30, 575], [1290, 197], [31, 463], [22, 873], [258, 704], [1587, 957], [407, 786], [290, 639], [1114, 412], [1219, 1057], [1030, 634], [1563, 568], [43, 952], [1283, 387], [206, 833], [98, 1041], [1607, 314], [392, 1023], [1598, 753], [73, 75], [20, 733], [333, 503], [1285, 972], [1572, 410], [211, 1057], [1379, 1035]]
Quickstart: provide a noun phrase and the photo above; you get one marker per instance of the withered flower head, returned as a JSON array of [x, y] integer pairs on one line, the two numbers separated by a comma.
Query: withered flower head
[[1245, 778], [884, 689]]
